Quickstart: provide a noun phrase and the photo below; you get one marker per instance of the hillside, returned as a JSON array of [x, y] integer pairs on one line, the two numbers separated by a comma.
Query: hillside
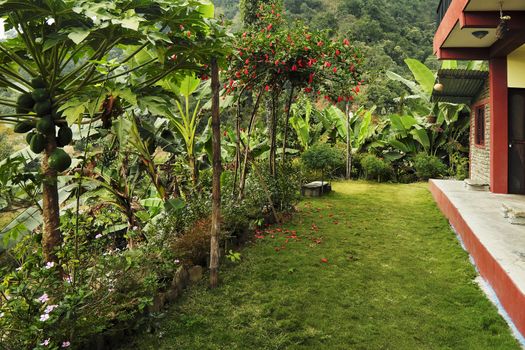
[[386, 31]]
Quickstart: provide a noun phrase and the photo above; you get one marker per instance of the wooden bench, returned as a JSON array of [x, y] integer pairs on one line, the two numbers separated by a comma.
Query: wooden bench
[[315, 189]]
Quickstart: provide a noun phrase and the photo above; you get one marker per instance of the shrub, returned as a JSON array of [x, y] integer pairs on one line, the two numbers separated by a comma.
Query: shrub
[[459, 166], [323, 158], [428, 166], [375, 168]]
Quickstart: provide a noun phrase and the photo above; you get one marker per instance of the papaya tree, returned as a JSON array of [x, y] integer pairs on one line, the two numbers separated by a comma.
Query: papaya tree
[[84, 62]]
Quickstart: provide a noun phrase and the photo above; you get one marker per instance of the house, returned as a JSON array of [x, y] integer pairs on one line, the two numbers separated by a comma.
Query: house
[[492, 31]]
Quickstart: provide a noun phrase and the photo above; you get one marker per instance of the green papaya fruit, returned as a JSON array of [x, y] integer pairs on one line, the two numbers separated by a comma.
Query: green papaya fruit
[[45, 125], [23, 127], [40, 95], [65, 136], [38, 83], [29, 136], [25, 101], [38, 143], [59, 160], [43, 108]]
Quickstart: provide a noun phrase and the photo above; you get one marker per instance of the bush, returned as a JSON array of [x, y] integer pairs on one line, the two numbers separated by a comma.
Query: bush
[[459, 166], [375, 168], [323, 158], [428, 166]]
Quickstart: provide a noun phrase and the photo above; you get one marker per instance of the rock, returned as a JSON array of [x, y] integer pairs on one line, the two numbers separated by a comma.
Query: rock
[[196, 273], [181, 279]]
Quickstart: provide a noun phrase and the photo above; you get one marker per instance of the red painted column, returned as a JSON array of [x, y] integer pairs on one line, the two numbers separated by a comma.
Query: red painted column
[[499, 121]]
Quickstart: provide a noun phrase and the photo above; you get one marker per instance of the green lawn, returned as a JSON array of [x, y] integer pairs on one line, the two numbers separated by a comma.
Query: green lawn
[[395, 278]]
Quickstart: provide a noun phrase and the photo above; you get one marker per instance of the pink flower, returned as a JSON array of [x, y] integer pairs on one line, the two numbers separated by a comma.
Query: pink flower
[[45, 342], [44, 298], [66, 344], [44, 317], [50, 308], [49, 265], [98, 236]]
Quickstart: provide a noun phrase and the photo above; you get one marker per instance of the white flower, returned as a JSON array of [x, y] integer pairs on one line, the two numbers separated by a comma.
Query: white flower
[[177, 261], [44, 317], [18, 269], [1, 314], [69, 279], [135, 228], [49, 265], [98, 236], [50, 21], [50, 308], [44, 298], [45, 342], [66, 344]]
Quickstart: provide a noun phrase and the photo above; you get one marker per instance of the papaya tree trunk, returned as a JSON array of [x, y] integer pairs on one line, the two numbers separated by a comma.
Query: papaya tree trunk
[[216, 181], [51, 237], [194, 170], [237, 144], [285, 136]]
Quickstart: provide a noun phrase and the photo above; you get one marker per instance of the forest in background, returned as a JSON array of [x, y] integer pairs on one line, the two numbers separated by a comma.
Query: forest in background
[[387, 32]]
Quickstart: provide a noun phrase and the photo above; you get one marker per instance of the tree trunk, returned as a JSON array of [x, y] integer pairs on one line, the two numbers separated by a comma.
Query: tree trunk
[[194, 171], [216, 190], [285, 136], [348, 144], [237, 144], [244, 168], [273, 136], [51, 237]]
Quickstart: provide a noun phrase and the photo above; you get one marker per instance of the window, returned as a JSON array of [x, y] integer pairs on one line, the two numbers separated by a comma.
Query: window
[[479, 125]]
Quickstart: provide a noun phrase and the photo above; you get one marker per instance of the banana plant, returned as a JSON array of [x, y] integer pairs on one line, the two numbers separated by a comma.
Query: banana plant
[[186, 117]]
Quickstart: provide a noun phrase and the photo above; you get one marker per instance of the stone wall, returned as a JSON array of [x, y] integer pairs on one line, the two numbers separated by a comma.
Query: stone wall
[[480, 155]]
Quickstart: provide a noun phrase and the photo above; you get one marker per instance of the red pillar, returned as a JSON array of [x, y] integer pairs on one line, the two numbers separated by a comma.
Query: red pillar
[[499, 134]]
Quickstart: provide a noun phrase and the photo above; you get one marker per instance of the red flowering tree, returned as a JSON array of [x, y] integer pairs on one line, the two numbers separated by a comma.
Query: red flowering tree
[[274, 57]]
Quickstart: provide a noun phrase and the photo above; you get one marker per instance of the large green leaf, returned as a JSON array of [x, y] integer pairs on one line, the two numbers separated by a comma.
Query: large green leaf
[[422, 74], [420, 135], [188, 85]]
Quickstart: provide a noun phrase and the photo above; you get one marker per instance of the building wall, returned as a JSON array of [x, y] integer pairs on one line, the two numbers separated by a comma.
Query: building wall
[[480, 155], [516, 68]]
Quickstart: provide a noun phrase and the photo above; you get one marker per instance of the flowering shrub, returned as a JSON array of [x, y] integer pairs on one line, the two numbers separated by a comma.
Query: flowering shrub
[[97, 287], [274, 53]]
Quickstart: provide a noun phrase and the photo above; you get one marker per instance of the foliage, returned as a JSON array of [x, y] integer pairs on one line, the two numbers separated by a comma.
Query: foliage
[[286, 53], [98, 286], [428, 166], [323, 158], [375, 168]]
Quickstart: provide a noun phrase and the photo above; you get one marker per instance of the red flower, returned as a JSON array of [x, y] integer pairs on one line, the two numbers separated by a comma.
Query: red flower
[[346, 42], [335, 69], [308, 89], [324, 260], [237, 74], [327, 64], [188, 34], [337, 52], [311, 78], [320, 43], [339, 98], [244, 35], [294, 68], [269, 27], [267, 88], [247, 61], [276, 62]]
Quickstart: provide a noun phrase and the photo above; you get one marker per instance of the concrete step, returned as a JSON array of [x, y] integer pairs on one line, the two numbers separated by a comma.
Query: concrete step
[[514, 213]]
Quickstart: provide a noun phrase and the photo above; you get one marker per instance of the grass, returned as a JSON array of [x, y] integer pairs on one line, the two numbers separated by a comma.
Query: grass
[[395, 278]]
